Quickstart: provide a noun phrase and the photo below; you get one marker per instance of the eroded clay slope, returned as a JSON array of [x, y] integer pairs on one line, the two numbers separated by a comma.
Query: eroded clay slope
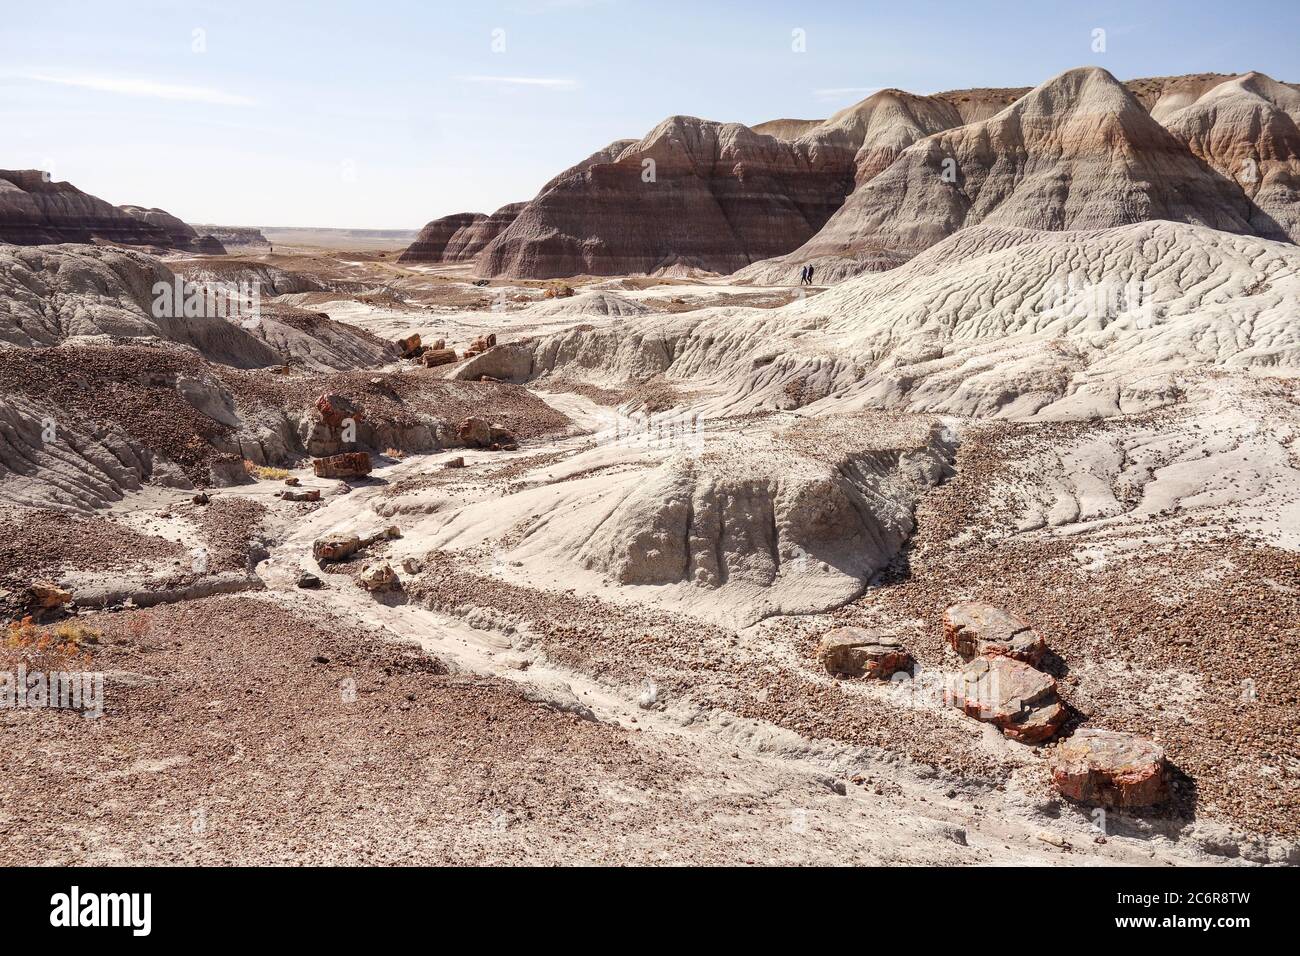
[[993, 321], [1245, 129], [793, 516], [1078, 152]]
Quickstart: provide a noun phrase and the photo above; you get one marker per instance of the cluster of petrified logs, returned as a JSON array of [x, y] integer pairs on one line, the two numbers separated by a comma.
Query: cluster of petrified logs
[[1000, 683], [436, 353]]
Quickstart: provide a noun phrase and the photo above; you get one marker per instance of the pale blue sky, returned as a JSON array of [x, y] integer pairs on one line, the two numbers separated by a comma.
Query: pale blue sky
[[388, 113]]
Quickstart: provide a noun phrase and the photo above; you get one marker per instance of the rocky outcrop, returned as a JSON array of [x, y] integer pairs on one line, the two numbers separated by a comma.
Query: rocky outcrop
[[1109, 768], [1078, 152], [183, 236], [502, 363], [232, 235], [34, 210], [765, 523]]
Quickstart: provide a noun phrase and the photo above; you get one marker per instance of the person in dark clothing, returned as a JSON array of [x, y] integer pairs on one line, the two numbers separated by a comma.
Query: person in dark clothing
[[810, 273]]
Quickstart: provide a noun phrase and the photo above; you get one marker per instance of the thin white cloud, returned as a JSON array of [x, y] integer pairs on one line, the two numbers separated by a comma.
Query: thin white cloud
[[546, 82], [128, 86]]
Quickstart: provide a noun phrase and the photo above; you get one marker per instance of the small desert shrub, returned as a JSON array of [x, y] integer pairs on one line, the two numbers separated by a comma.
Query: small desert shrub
[[265, 472], [63, 647]]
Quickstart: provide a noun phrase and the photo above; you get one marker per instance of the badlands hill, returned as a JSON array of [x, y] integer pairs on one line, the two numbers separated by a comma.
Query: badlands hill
[[876, 183], [710, 196], [705, 195], [183, 236], [80, 294], [1245, 129], [1078, 152], [460, 237], [34, 210]]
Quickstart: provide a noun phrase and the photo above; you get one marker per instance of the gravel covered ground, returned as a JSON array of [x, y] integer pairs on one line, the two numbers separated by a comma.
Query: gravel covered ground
[[239, 731], [39, 544], [289, 725], [1194, 644], [402, 399]]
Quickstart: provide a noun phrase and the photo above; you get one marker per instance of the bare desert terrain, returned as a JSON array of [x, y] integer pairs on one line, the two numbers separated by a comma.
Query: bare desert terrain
[[584, 531], [602, 646]]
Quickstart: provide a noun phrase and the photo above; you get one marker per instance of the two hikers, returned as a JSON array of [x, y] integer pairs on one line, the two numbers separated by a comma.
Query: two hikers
[[806, 275]]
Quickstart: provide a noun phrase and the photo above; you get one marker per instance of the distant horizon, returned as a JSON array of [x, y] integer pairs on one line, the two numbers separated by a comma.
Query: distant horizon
[[346, 116]]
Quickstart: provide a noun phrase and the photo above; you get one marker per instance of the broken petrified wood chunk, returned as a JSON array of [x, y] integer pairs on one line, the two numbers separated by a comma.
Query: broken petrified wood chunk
[[457, 462], [1109, 768], [434, 357], [410, 346], [1011, 695], [351, 464], [379, 576], [976, 629], [475, 431], [857, 652], [47, 595], [335, 547], [312, 494], [503, 439], [334, 410], [481, 344]]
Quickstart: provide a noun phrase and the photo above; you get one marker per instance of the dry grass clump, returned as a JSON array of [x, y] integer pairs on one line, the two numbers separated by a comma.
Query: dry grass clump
[[63, 647], [265, 472]]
